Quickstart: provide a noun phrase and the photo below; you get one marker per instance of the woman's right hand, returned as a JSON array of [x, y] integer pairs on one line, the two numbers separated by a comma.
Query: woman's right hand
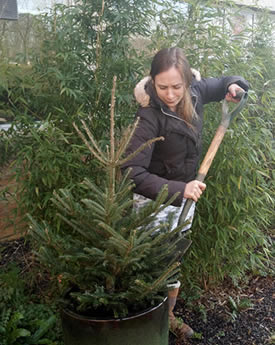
[[193, 190]]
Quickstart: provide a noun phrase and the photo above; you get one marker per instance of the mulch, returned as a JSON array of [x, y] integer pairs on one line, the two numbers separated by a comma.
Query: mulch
[[248, 320], [226, 315]]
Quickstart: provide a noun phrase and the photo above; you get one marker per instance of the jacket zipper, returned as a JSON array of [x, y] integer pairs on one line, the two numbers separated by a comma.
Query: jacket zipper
[[178, 118]]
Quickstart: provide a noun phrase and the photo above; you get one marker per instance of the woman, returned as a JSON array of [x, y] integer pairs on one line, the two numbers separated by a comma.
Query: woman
[[171, 105]]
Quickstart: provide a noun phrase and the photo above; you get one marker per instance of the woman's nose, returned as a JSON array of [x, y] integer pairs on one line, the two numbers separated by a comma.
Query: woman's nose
[[169, 93]]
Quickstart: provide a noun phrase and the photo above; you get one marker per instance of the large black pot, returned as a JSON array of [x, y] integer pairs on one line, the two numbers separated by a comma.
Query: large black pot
[[147, 328]]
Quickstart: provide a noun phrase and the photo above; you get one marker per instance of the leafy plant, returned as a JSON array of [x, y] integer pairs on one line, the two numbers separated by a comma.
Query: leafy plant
[[10, 330], [50, 159], [237, 305], [21, 320], [66, 81], [80, 46]]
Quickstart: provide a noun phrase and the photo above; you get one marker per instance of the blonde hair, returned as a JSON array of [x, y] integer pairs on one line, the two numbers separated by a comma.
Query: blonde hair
[[174, 57]]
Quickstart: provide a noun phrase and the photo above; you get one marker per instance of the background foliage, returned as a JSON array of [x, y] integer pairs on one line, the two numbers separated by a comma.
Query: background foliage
[[233, 216], [23, 320], [69, 78]]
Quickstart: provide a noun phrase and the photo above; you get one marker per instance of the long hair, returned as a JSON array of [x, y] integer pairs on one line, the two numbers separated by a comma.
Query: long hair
[[174, 57]]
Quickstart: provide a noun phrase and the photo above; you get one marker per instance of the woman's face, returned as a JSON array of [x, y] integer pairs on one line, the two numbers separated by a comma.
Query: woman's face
[[170, 87]]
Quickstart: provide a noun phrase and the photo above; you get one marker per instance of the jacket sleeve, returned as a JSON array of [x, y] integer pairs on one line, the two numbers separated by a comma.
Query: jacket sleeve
[[146, 183], [215, 89]]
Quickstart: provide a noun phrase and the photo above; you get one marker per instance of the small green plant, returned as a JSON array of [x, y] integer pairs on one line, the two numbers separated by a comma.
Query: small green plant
[[22, 321], [220, 334], [24, 328], [237, 305], [197, 336], [203, 312]]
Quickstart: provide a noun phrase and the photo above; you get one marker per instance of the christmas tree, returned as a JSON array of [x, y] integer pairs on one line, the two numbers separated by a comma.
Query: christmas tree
[[108, 256]]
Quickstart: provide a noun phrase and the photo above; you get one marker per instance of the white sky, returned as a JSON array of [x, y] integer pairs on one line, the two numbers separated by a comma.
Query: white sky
[[270, 4], [35, 6], [263, 3]]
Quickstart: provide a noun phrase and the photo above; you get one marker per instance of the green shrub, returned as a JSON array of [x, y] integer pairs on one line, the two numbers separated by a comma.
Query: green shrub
[[23, 321], [69, 79], [81, 48], [50, 159]]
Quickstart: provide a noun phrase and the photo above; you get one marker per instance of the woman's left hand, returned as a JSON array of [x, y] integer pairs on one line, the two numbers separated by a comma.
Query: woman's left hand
[[233, 89]]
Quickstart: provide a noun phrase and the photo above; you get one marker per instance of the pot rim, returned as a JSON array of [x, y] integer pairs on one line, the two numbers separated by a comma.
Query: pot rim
[[80, 317]]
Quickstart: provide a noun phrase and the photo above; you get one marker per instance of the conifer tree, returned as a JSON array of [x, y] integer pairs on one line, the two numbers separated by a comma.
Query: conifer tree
[[109, 256]]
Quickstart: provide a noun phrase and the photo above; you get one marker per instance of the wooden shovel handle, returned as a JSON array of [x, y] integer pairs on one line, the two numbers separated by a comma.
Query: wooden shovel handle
[[205, 165], [212, 150]]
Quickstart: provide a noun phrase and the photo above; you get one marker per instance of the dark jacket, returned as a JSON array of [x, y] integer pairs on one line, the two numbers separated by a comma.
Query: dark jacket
[[173, 161]]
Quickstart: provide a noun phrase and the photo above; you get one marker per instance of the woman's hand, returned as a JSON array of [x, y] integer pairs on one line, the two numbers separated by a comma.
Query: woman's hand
[[233, 89], [193, 190]]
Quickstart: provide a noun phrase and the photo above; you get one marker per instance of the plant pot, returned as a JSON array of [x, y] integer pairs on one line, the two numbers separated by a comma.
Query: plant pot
[[146, 328]]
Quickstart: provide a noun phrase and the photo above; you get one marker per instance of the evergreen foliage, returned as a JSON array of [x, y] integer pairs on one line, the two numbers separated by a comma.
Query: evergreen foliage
[[109, 256]]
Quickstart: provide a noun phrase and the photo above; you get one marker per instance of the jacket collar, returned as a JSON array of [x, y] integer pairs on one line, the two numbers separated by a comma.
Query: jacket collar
[[146, 95]]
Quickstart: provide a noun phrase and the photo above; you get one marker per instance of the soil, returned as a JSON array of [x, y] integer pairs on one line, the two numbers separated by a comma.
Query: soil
[[226, 315], [232, 316]]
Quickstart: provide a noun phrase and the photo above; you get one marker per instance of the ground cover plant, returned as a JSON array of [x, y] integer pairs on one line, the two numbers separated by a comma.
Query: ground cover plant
[[26, 318]]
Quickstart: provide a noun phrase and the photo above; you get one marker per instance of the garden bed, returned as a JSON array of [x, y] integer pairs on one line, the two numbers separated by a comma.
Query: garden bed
[[223, 316], [233, 316]]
